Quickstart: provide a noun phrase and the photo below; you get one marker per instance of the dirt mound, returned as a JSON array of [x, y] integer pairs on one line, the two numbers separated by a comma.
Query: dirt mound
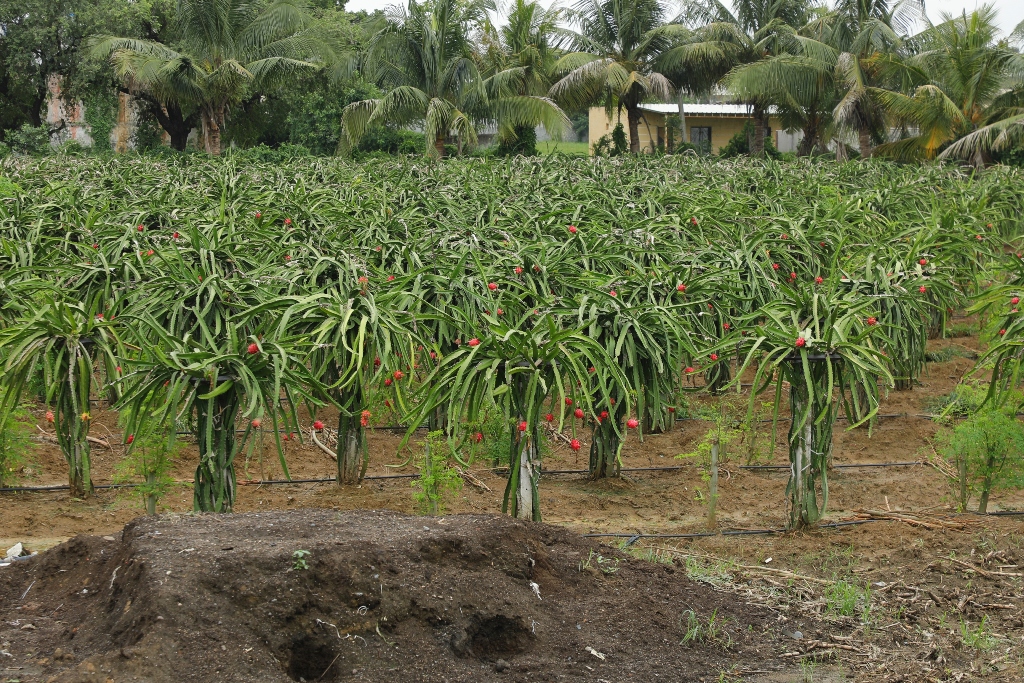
[[379, 597]]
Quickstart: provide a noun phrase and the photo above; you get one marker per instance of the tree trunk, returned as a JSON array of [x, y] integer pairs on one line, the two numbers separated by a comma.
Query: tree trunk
[[350, 449], [810, 448], [150, 497], [72, 421], [865, 142], [35, 115], [604, 449], [170, 118], [633, 117], [757, 147], [810, 141], [523, 476], [213, 121], [439, 145], [527, 505], [806, 142], [986, 485], [214, 488], [841, 154], [803, 502]]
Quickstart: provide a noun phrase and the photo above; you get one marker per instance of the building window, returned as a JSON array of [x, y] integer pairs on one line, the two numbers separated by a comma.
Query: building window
[[700, 137]]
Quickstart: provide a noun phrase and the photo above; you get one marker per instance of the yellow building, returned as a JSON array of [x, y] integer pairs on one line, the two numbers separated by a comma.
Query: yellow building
[[708, 126]]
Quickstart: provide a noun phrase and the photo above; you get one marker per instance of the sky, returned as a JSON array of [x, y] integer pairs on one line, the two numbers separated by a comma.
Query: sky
[[1011, 12]]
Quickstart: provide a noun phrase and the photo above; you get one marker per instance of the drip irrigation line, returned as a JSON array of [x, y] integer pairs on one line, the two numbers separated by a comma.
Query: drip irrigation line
[[633, 538], [377, 477], [837, 467], [257, 482], [504, 470]]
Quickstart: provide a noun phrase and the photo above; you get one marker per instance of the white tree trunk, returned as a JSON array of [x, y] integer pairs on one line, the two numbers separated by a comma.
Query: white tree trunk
[[524, 496]]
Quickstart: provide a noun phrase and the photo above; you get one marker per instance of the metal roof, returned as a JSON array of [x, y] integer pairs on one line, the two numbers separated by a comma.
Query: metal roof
[[702, 109]]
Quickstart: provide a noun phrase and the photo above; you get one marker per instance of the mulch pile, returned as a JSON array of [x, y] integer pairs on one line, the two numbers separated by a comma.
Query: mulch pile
[[380, 596]]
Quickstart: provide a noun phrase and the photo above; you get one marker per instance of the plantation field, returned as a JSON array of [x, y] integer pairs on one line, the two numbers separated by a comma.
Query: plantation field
[[535, 338]]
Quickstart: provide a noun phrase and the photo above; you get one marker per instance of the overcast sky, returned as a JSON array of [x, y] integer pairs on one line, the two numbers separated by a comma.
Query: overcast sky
[[1011, 12]]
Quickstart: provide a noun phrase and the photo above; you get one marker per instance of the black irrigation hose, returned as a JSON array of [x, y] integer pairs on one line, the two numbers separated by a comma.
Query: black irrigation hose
[[263, 482], [270, 482], [633, 538], [851, 465]]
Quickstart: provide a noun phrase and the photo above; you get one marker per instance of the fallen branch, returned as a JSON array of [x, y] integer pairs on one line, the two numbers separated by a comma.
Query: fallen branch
[[772, 570], [914, 519], [50, 438], [471, 478], [983, 572]]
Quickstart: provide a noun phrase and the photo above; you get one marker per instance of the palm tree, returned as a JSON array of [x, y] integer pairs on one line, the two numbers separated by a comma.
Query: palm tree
[[725, 40], [972, 102], [424, 59], [615, 53], [824, 79], [224, 50], [519, 60], [866, 35]]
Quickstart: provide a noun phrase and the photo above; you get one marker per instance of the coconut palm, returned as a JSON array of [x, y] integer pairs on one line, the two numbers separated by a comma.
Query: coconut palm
[[866, 35], [519, 59], [424, 60], [224, 51], [822, 81], [725, 40], [972, 101], [616, 48]]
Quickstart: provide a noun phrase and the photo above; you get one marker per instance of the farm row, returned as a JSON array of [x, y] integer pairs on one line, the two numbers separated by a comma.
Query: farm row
[[230, 302]]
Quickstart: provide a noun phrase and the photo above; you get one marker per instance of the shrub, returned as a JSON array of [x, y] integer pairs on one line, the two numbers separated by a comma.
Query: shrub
[[151, 458], [739, 144], [437, 480], [987, 451], [525, 143], [7, 188], [614, 145], [15, 445], [395, 141], [273, 155], [29, 140]]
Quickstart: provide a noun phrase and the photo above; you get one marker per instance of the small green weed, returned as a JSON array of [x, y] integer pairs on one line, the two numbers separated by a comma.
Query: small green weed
[[807, 667], [648, 554], [299, 560], [607, 565], [710, 629], [714, 573], [961, 330], [978, 637], [150, 458], [841, 598]]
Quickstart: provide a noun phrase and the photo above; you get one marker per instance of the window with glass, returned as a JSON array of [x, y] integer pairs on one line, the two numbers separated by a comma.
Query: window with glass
[[700, 137]]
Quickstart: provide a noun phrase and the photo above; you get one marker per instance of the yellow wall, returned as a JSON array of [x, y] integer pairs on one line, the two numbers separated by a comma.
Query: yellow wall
[[722, 128], [601, 125]]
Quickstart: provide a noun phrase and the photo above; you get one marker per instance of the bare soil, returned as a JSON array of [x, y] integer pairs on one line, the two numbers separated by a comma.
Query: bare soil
[[942, 601], [380, 596]]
